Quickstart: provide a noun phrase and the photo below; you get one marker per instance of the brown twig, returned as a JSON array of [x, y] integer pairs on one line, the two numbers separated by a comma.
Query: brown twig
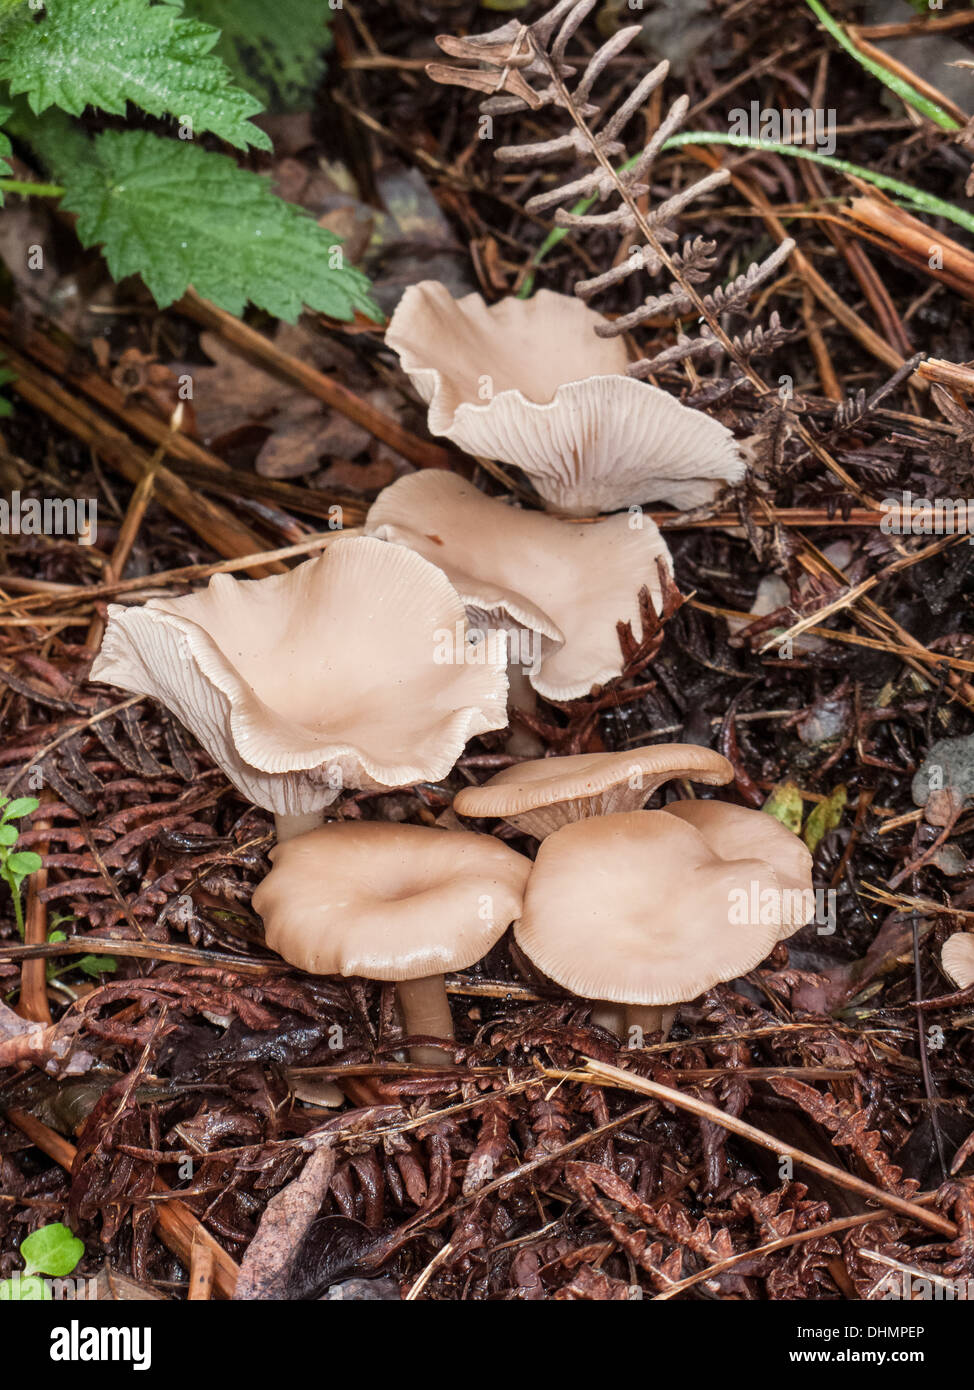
[[201, 1272], [217, 526], [33, 973], [187, 457], [140, 950], [256, 347]]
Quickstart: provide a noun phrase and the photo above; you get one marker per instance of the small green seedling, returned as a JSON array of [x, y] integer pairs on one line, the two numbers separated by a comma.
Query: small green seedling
[[95, 966], [51, 1250], [16, 864]]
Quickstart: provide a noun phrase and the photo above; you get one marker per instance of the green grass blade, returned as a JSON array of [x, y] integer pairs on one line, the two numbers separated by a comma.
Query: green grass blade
[[915, 198], [902, 88]]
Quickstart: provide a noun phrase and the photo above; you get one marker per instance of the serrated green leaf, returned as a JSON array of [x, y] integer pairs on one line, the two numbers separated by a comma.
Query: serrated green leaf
[[825, 817], [74, 54], [178, 216], [21, 805], [5, 150], [52, 1250], [275, 51], [24, 862], [25, 1290], [8, 834]]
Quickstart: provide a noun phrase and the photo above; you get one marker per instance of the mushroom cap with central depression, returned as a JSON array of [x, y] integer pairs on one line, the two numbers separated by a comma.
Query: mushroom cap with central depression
[[321, 678], [530, 382], [735, 832], [637, 909], [389, 902], [540, 795], [570, 582]]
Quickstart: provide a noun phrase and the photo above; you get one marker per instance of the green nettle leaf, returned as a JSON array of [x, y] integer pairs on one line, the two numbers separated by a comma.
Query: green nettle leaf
[[4, 151], [52, 1250], [8, 834], [274, 50], [25, 1290], [178, 216], [74, 54], [21, 805]]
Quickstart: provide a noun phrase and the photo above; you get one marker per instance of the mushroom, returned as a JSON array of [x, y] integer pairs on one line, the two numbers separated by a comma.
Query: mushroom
[[734, 832], [307, 682], [540, 796], [957, 959], [636, 908], [392, 902], [530, 382], [569, 582], [527, 637]]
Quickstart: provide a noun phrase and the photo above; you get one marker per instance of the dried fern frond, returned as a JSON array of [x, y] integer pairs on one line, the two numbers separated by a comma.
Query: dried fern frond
[[858, 407], [524, 67]]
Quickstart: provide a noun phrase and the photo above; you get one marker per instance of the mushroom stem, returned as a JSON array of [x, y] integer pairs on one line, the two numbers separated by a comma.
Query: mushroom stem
[[289, 827], [426, 1011], [651, 1018], [611, 1017], [521, 742]]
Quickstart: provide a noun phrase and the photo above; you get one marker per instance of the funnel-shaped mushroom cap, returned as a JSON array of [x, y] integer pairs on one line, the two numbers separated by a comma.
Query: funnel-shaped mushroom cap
[[529, 382], [638, 909], [957, 959], [390, 902], [734, 832], [541, 795], [321, 678], [583, 578]]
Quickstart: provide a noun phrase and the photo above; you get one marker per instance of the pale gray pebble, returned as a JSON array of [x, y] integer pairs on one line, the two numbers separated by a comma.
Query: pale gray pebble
[[364, 1291], [954, 757]]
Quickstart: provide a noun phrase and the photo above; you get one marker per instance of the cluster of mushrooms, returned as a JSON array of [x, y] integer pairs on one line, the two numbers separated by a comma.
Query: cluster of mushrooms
[[367, 668]]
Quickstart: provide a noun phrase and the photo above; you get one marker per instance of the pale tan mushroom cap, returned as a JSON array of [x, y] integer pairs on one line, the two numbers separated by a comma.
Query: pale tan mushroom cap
[[389, 902], [305, 682], [734, 832], [583, 578], [530, 383], [545, 793], [637, 909], [957, 959]]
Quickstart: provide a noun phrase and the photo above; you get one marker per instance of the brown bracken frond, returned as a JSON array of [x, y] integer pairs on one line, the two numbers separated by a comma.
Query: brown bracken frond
[[523, 66]]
